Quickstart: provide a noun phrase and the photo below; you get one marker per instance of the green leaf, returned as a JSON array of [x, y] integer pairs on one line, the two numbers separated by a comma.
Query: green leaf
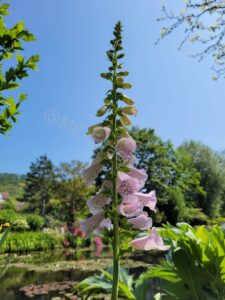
[[22, 97], [20, 58], [4, 9], [3, 237]]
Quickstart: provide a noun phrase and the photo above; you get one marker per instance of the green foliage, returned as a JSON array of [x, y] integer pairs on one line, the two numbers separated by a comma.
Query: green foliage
[[3, 237], [7, 216], [70, 193], [211, 166], [9, 204], [11, 44], [172, 174], [35, 222], [20, 225], [21, 242], [195, 268], [12, 183], [75, 241], [21, 221], [98, 284]]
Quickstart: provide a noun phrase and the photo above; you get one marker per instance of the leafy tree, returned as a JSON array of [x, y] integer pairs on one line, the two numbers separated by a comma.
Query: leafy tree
[[71, 192], [11, 43], [39, 184], [171, 174], [210, 164], [204, 24]]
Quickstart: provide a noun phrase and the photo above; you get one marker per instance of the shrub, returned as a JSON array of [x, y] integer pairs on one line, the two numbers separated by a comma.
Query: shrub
[[35, 222], [20, 225], [10, 204], [7, 216]]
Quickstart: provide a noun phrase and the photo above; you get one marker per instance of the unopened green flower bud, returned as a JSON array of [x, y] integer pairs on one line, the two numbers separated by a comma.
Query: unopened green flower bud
[[102, 111], [129, 110]]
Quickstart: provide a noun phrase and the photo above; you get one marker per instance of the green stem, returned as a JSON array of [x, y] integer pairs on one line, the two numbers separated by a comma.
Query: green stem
[[116, 258]]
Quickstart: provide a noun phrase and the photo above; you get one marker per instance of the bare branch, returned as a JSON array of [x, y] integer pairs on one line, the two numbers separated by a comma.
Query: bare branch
[[204, 23]]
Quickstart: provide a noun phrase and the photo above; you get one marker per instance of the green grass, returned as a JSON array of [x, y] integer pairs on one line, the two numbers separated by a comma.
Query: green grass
[[22, 242]]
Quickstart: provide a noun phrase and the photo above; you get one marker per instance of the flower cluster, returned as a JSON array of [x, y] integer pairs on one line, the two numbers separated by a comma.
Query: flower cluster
[[120, 204], [134, 205]]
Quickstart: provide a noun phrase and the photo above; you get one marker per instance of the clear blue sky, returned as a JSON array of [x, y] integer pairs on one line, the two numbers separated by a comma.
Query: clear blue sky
[[174, 94]]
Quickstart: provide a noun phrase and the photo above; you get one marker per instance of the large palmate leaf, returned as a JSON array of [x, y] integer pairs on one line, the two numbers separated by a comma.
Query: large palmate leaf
[[195, 266]]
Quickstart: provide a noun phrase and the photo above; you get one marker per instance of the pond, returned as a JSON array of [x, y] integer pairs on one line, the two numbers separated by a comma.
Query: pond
[[45, 275]]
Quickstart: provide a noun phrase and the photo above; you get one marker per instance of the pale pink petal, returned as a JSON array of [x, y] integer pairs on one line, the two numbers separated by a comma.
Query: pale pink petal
[[130, 207], [126, 184], [106, 223], [97, 203], [91, 223], [92, 172], [126, 147], [140, 175], [142, 222], [100, 134], [98, 158], [148, 200], [150, 242]]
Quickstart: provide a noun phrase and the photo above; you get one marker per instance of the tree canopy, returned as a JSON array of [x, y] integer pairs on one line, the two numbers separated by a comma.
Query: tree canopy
[[172, 174], [11, 45]]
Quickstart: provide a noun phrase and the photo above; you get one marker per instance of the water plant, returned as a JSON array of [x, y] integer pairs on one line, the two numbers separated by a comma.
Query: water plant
[[120, 205]]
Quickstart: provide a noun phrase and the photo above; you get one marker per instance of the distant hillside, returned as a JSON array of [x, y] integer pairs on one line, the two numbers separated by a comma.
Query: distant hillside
[[12, 183]]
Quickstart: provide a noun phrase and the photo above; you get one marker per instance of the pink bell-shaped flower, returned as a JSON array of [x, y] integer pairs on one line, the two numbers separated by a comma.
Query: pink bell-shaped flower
[[97, 203], [127, 185], [106, 223], [150, 242], [90, 173], [100, 134], [140, 175], [130, 207], [91, 223], [126, 147], [141, 222], [148, 200]]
